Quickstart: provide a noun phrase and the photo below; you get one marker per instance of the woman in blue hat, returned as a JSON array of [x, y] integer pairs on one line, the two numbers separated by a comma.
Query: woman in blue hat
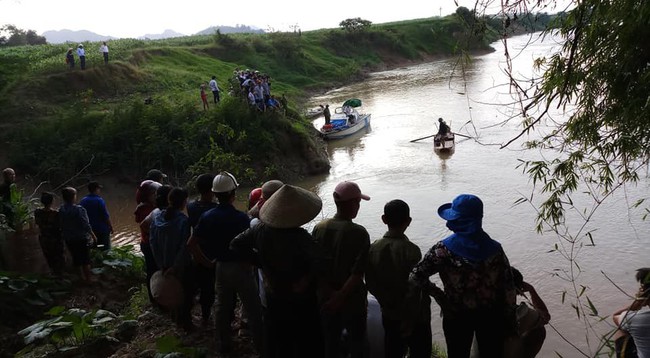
[[478, 287]]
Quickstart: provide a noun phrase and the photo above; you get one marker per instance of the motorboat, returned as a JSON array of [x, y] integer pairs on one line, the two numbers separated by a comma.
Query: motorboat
[[346, 120]]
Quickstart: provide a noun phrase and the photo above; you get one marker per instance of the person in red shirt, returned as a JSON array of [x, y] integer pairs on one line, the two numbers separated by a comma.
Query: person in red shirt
[[204, 98]]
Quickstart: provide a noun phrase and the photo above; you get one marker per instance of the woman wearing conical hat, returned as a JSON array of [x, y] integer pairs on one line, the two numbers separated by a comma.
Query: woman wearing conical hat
[[292, 265]]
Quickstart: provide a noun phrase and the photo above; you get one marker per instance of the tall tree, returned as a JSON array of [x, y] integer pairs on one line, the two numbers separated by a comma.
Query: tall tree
[[599, 82]]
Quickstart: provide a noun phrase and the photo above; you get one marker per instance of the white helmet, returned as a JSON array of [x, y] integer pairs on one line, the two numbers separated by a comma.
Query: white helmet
[[224, 182]]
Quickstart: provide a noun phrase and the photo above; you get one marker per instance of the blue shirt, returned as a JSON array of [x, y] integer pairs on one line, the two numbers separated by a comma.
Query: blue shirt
[[97, 213], [196, 208], [74, 222], [168, 239], [216, 229]]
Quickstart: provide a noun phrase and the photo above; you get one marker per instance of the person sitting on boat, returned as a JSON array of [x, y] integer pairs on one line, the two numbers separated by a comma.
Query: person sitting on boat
[[443, 128], [350, 114]]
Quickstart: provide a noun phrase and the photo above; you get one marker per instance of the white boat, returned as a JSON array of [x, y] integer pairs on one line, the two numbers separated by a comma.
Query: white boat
[[444, 143], [314, 112], [346, 121]]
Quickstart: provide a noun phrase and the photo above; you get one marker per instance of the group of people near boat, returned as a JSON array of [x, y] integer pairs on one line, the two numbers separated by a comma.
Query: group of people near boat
[[305, 294]]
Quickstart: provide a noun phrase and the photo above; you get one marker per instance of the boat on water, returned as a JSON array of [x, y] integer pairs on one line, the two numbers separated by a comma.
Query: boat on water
[[346, 120], [312, 113], [444, 143]]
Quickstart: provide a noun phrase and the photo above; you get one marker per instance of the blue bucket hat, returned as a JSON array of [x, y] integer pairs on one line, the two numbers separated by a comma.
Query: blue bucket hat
[[464, 206]]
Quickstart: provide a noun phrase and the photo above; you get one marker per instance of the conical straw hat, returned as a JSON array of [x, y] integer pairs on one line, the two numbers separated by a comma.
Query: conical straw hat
[[167, 290], [290, 207]]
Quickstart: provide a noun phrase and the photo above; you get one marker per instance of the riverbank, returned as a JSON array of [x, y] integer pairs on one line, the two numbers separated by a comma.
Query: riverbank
[[57, 121]]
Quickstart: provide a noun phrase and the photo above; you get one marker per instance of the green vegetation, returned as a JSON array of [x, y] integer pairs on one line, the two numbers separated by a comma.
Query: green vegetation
[[355, 24], [57, 121], [588, 113], [120, 261], [68, 327], [25, 293], [171, 346]]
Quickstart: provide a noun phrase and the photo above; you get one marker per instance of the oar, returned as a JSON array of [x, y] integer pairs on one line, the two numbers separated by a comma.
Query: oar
[[462, 135], [429, 136]]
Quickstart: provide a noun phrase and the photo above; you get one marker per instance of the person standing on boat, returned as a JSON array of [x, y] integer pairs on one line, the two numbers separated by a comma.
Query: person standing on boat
[[443, 128], [327, 114]]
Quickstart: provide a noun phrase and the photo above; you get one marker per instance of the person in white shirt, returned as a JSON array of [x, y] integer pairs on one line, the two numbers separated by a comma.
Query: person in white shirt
[[633, 321], [104, 50], [82, 56], [214, 88], [251, 97]]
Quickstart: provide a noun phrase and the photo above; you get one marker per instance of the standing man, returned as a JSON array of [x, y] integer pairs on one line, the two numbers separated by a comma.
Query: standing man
[[100, 220], [390, 260], [215, 89], [9, 179], [6, 188], [210, 245], [327, 114], [346, 244], [443, 128], [104, 50], [82, 56]]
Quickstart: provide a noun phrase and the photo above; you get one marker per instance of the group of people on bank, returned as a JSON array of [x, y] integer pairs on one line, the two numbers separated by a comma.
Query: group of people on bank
[[79, 227], [81, 53], [305, 294], [255, 87], [252, 86]]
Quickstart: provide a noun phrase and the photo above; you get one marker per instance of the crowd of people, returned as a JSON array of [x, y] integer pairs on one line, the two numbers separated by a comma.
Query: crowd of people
[[81, 53], [251, 86], [255, 87], [306, 294], [77, 226]]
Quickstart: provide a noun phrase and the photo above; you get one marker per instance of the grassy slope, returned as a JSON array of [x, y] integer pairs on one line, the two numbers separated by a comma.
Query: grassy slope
[[320, 59], [37, 87]]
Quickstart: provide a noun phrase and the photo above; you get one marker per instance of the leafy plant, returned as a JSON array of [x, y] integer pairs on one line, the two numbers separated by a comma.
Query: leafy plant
[[18, 211], [121, 259], [356, 24], [19, 294], [170, 346], [69, 328]]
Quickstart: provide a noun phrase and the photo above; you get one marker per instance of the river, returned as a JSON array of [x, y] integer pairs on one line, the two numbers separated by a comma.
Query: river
[[405, 104]]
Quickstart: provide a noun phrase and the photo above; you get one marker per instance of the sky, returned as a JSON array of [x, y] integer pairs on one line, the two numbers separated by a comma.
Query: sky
[[134, 18]]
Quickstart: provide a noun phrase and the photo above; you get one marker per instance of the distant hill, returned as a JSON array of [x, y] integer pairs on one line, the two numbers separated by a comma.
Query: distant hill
[[231, 30], [165, 35], [65, 35]]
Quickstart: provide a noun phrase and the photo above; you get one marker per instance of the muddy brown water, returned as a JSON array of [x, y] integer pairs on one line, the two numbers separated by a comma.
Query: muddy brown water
[[405, 104]]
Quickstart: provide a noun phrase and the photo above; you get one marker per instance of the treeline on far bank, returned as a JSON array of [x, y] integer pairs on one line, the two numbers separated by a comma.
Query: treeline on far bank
[[55, 121]]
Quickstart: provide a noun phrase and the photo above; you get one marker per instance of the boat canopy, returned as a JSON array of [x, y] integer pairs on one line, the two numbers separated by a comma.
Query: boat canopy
[[352, 103]]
